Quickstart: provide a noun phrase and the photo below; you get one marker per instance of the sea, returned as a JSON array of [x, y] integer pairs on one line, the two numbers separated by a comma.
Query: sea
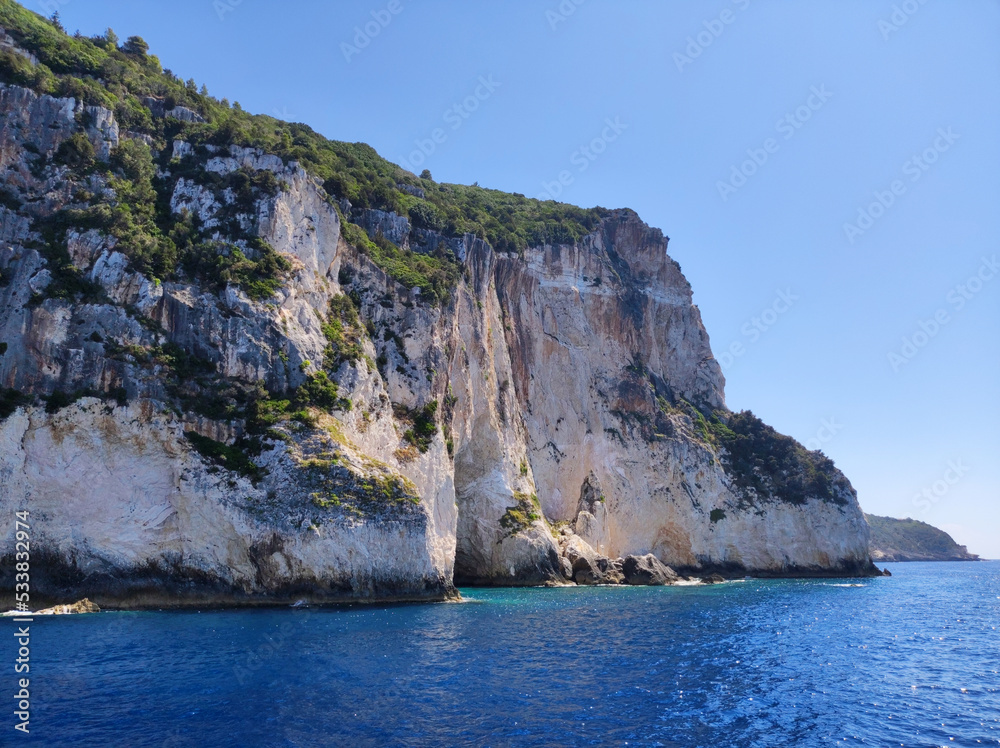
[[907, 660]]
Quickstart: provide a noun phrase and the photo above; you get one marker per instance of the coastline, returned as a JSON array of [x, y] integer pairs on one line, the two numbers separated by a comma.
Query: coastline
[[206, 598]]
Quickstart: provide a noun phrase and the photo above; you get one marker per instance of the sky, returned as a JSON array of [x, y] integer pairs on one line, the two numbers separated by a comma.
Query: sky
[[827, 173]]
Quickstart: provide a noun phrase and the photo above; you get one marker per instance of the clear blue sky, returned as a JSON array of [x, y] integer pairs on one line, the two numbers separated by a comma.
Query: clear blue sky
[[865, 98]]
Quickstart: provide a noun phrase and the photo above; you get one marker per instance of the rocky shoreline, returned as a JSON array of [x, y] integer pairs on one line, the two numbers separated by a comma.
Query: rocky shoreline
[[579, 565]]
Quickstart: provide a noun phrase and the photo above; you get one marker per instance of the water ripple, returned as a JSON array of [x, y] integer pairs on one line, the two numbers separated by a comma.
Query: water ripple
[[909, 660]]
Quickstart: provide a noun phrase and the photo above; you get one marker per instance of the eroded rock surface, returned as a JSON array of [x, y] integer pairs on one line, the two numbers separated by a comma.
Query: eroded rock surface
[[572, 385]]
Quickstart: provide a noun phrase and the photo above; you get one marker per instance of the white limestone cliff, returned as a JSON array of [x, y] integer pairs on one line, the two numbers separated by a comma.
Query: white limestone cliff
[[563, 377]]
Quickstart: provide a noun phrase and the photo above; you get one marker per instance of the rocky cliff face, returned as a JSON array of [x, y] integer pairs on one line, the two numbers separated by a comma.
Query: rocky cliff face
[[337, 434]]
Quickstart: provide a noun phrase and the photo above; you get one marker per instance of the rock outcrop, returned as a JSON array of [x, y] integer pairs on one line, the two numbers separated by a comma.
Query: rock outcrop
[[647, 570], [80, 606], [328, 430]]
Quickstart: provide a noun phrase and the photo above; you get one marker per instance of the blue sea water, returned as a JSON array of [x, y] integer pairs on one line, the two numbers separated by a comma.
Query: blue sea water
[[910, 660]]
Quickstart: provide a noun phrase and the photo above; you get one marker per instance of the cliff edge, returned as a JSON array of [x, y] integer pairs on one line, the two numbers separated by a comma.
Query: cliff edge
[[242, 364]]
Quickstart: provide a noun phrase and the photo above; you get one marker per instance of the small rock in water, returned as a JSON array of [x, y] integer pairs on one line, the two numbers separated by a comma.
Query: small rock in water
[[886, 573], [81, 606], [585, 575], [713, 579], [647, 569]]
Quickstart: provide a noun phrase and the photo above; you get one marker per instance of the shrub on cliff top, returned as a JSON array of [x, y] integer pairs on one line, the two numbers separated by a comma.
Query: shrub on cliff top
[[770, 465]]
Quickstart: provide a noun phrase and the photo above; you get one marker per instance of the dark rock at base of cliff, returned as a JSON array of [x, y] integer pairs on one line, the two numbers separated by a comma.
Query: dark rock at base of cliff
[[597, 570], [586, 577], [713, 579], [648, 570], [56, 580], [585, 570], [541, 570], [846, 569]]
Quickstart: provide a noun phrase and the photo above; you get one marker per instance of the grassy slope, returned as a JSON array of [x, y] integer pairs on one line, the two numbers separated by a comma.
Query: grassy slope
[[119, 76], [912, 538]]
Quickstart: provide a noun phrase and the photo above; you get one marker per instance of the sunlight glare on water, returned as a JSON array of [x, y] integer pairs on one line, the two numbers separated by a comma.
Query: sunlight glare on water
[[911, 659]]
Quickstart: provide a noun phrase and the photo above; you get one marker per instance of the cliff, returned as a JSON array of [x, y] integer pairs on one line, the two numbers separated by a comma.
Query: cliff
[[913, 540], [245, 364]]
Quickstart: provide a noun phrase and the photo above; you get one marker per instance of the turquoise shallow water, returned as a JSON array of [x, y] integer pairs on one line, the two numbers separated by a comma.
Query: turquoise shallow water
[[910, 660]]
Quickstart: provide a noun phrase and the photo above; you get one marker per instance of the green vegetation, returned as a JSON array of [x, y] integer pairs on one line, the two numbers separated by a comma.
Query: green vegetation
[[525, 511], [11, 400], [344, 331], [195, 384], [67, 280], [717, 515], [321, 392], [230, 457], [326, 502], [184, 364], [912, 539], [158, 243], [132, 83], [763, 463], [8, 199], [358, 493], [424, 424], [59, 400], [263, 413], [76, 152], [222, 262], [435, 275], [132, 217]]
